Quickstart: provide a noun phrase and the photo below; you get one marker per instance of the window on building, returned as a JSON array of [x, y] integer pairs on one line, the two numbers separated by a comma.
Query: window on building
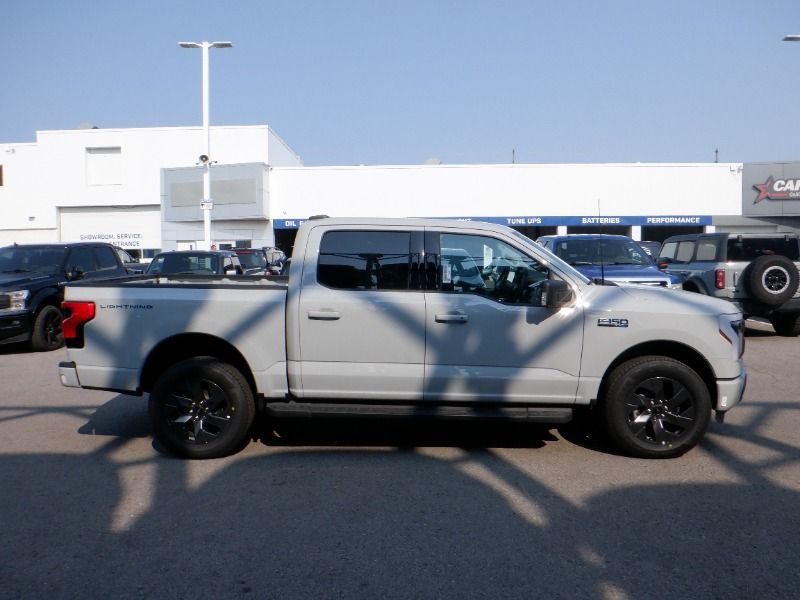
[[104, 166], [365, 260]]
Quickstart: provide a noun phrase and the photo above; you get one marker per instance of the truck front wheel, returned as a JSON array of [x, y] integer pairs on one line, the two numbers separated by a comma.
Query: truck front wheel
[[201, 408], [47, 334], [656, 407]]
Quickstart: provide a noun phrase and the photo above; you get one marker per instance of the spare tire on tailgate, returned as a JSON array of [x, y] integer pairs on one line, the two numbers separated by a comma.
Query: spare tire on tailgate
[[771, 279]]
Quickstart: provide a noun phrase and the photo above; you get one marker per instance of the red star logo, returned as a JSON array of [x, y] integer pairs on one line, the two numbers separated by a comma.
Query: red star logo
[[763, 190]]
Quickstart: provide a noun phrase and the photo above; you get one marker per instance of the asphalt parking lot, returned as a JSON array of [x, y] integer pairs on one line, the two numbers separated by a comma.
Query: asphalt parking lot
[[354, 509]]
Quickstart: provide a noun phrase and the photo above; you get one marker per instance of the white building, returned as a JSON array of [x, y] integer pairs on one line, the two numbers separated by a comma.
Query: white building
[[141, 189], [106, 183]]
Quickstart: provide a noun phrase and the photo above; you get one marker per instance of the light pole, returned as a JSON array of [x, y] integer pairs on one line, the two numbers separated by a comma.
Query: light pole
[[206, 204], [791, 38]]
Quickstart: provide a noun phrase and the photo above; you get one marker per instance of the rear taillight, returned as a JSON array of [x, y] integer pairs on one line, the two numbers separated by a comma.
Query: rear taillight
[[719, 279], [78, 314]]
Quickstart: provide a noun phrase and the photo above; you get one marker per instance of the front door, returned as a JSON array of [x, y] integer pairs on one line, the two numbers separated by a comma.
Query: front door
[[488, 337]]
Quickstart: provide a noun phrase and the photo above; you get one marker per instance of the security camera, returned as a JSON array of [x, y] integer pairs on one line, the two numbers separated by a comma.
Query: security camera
[[203, 158]]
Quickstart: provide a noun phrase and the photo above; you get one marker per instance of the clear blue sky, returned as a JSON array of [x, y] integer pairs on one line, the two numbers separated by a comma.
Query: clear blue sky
[[379, 82]]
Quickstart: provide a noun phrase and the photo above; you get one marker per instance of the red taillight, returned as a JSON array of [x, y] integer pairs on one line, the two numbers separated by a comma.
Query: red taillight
[[78, 314], [719, 279]]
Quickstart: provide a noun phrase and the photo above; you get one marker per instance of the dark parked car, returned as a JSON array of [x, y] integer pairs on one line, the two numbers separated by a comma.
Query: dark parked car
[[195, 262], [32, 279], [652, 248], [132, 265], [254, 260]]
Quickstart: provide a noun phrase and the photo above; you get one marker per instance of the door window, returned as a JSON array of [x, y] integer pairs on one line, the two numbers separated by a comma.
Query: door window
[[489, 267], [706, 251], [83, 259], [365, 260], [105, 258], [677, 252]]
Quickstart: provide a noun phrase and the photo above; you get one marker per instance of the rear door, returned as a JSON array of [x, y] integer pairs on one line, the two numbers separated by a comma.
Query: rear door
[[488, 337], [361, 315]]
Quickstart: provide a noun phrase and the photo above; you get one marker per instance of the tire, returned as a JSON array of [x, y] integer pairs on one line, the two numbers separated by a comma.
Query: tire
[[656, 407], [771, 280], [47, 333], [201, 408], [786, 324]]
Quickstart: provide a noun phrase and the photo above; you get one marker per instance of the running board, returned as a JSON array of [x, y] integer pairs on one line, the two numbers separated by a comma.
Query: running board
[[534, 414]]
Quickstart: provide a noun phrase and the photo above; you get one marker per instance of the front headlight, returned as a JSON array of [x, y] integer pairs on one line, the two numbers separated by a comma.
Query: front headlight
[[731, 327], [14, 300]]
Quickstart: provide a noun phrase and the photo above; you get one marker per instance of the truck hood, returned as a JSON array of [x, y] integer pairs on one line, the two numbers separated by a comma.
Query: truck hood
[[621, 271], [643, 299], [25, 279]]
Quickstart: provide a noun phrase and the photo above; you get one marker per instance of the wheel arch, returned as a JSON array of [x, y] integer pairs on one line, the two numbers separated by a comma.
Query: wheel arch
[[180, 347], [675, 350], [49, 296], [696, 285]]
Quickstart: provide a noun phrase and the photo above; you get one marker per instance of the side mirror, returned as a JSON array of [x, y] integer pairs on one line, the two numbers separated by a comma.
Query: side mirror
[[557, 293], [75, 273]]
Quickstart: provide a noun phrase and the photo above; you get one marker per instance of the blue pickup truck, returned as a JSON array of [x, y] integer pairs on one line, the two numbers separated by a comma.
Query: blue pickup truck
[[615, 258]]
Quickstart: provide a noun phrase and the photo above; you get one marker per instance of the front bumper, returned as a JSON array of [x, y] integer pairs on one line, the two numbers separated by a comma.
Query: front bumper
[[15, 328], [730, 391]]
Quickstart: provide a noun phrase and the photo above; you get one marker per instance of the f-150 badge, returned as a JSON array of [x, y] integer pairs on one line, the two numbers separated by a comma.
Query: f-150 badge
[[612, 322]]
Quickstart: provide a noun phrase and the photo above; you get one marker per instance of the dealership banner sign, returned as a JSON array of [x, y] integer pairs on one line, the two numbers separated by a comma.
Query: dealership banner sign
[[550, 221], [777, 189], [771, 189]]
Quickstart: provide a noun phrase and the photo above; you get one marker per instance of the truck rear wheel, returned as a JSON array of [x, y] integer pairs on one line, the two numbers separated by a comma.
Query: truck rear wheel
[[201, 408], [656, 407], [786, 324]]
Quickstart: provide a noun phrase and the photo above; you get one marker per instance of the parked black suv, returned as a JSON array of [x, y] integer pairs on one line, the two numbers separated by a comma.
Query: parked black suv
[[756, 271], [32, 279]]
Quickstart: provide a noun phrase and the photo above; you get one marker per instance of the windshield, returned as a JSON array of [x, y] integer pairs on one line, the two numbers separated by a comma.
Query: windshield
[[585, 252], [169, 263], [46, 260], [252, 260], [564, 266]]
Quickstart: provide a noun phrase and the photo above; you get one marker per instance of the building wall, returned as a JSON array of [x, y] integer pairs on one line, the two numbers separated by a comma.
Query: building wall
[[111, 168], [508, 190]]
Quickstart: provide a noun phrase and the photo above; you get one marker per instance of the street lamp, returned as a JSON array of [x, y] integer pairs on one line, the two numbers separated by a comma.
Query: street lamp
[[791, 38], [206, 203]]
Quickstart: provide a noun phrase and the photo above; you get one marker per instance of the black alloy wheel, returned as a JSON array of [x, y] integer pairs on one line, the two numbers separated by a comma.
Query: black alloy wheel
[[47, 331], [660, 410], [202, 408], [656, 407]]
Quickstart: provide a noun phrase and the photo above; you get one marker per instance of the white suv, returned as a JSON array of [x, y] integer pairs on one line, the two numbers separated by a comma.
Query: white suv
[[759, 272]]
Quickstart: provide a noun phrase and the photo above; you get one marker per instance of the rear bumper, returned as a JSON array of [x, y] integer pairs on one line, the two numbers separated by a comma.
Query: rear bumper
[[68, 374], [730, 391]]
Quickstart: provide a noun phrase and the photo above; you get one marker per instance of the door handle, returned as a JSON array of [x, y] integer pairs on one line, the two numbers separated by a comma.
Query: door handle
[[324, 315], [451, 318]]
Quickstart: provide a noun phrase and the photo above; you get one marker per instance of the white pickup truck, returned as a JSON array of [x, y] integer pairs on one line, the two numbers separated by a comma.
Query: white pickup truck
[[409, 318]]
